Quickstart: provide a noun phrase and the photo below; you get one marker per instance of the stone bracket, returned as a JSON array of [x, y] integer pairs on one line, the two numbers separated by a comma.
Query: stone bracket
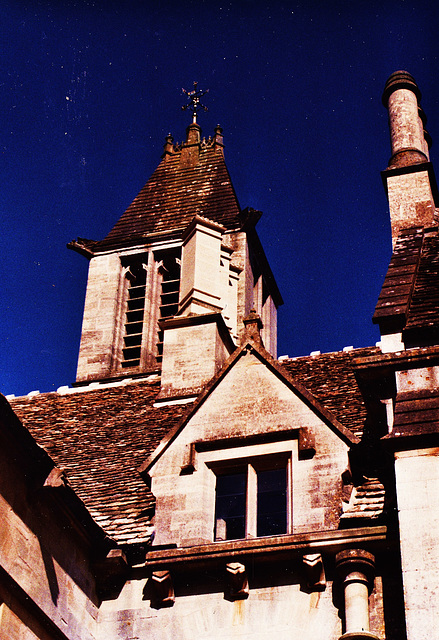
[[306, 444], [111, 574], [315, 579], [237, 581], [162, 589]]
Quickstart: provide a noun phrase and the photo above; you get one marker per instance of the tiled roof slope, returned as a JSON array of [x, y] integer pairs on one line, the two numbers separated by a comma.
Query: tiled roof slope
[[397, 288], [424, 304], [367, 501], [410, 293], [330, 378], [174, 194], [100, 438], [416, 412]]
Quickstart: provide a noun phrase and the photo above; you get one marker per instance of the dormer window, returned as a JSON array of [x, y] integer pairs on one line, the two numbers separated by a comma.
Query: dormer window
[[252, 500]]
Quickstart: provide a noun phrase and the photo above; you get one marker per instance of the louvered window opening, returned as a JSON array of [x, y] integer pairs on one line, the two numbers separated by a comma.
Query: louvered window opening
[[170, 288], [134, 316]]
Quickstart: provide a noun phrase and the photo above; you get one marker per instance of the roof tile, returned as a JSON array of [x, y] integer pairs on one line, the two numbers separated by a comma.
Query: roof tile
[[330, 378], [411, 286], [174, 194], [102, 436]]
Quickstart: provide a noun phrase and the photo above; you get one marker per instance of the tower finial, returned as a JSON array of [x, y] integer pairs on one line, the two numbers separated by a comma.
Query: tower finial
[[194, 101]]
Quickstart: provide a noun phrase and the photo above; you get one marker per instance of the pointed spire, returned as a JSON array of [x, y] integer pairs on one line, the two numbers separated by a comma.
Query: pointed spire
[[218, 137]]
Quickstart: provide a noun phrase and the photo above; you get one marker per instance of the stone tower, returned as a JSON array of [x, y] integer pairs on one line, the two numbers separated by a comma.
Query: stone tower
[[169, 287]]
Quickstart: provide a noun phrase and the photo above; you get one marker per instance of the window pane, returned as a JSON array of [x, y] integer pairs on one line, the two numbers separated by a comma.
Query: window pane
[[272, 502], [230, 506]]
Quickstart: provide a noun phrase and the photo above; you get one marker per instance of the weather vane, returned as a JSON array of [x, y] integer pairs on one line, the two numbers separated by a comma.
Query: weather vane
[[194, 101]]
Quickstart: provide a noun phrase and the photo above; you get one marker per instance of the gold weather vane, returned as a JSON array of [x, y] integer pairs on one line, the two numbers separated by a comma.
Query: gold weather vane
[[194, 101]]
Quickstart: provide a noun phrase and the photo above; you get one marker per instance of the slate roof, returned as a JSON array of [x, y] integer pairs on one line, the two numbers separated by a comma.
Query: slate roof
[[366, 501], [102, 436], [175, 193], [416, 412], [410, 294], [330, 378]]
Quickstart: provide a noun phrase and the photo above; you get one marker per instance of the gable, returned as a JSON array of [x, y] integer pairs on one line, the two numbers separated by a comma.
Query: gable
[[249, 400], [251, 415], [237, 385]]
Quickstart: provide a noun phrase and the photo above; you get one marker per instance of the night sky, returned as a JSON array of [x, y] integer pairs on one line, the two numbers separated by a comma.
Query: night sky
[[89, 90]]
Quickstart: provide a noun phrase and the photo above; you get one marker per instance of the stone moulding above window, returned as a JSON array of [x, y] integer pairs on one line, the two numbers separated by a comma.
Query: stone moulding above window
[[305, 438]]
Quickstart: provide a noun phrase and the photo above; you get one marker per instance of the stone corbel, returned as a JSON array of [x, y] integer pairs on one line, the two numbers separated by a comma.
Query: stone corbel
[[188, 465], [315, 579], [306, 444], [111, 574], [237, 581], [162, 589]]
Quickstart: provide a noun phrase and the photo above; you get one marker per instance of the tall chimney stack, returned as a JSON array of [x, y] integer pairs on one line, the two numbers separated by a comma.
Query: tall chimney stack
[[409, 179], [402, 97]]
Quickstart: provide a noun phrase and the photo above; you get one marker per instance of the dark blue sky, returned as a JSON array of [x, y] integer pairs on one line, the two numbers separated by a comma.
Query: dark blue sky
[[89, 91]]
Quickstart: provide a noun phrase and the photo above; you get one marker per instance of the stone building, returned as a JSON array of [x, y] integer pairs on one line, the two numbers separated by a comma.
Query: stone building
[[191, 485]]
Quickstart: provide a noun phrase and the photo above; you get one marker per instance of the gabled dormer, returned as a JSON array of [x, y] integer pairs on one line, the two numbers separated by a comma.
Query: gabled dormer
[[258, 455], [182, 250]]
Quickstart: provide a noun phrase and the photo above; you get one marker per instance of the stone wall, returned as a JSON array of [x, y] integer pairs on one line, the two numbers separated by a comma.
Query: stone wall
[[417, 482], [101, 315], [46, 582]]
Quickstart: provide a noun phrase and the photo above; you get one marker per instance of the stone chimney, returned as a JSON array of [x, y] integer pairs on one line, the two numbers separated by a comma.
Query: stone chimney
[[409, 179], [401, 97]]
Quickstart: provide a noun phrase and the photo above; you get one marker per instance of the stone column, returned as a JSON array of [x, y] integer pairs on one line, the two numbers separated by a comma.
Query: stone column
[[356, 569]]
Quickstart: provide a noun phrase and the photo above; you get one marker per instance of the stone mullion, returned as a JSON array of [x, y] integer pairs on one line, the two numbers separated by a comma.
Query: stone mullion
[[119, 324], [252, 500], [153, 288], [145, 349]]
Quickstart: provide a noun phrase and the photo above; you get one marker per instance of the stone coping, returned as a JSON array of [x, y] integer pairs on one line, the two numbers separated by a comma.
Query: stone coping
[[322, 541], [399, 359]]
